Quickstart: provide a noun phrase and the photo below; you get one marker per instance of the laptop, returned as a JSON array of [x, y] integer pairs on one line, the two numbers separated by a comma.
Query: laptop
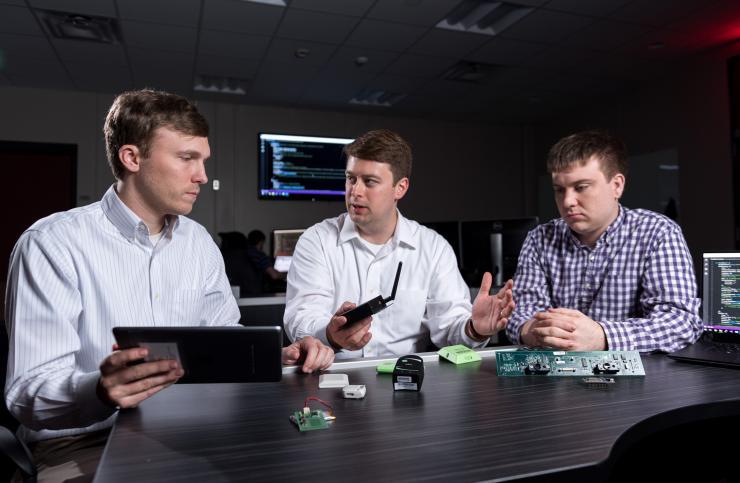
[[720, 341], [212, 354]]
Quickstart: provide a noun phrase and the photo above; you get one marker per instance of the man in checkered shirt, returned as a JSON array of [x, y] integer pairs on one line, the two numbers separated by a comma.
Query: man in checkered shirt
[[602, 276]]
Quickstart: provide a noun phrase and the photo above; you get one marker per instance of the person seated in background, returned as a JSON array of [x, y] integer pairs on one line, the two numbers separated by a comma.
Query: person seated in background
[[272, 280], [602, 276], [131, 259], [353, 258], [239, 268]]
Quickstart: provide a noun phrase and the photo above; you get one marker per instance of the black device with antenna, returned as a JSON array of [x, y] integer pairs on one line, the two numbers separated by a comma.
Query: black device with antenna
[[372, 306]]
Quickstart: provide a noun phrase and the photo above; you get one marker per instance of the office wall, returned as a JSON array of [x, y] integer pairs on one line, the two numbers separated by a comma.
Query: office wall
[[686, 111], [461, 170]]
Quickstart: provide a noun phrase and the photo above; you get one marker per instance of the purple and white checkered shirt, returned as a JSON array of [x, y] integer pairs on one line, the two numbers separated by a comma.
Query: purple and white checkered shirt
[[637, 282]]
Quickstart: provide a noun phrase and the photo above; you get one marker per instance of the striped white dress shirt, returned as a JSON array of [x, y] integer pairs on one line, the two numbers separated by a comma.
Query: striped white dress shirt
[[77, 274], [331, 264]]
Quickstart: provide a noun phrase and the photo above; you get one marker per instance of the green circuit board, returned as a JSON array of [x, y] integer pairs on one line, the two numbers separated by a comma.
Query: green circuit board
[[563, 363]]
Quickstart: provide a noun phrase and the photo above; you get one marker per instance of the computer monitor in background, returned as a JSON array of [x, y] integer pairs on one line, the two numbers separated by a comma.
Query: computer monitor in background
[[293, 167], [721, 300], [283, 245], [450, 231], [492, 246]]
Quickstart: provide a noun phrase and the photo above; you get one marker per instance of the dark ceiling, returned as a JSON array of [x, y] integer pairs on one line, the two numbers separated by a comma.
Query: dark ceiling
[[363, 54]]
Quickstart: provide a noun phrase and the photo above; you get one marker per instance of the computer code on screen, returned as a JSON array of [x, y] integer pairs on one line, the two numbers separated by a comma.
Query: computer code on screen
[[301, 166], [722, 290]]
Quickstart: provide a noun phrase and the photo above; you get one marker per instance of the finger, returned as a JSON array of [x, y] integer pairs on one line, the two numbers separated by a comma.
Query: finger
[[311, 351], [120, 392], [485, 284], [133, 400], [558, 343], [562, 324], [139, 371], [122, 358], [357, 338], [345, 307], [543, 332], [327, 357], [360, 326], [291, 354], [564, 311]]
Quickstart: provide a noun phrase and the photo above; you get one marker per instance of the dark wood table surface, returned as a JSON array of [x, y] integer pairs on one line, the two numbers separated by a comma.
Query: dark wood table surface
[[466, 424]]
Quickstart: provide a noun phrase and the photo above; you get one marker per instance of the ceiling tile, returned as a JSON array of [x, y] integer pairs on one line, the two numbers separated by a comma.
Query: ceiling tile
[[21, 3], [597, 8], [657, 12], [420, 65], [356, 8], [336, 88], [282, 83], [238, 16], [90, 77], [316, 26], [101, 8], [505, 51], [32, 73], [18, 20], [175, 12], [418, 12], [231, 44], [605, 35], [227, 67], [23, 46], [283, 50], [546, 26], [164, 37], [379, 35], [102, 54], [448, 43], [397, 83], [344, 59], [557, 57], [162, 69]]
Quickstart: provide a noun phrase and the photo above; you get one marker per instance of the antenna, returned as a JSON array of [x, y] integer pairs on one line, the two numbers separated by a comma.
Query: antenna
[[395, 284]]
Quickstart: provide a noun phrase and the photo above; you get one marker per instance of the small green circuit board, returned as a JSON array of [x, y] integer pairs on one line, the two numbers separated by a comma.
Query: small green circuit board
[[316, 419], [563, 363]]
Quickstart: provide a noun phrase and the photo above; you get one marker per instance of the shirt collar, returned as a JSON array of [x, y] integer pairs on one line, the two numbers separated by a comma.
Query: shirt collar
[[402, 234], [126, 220]]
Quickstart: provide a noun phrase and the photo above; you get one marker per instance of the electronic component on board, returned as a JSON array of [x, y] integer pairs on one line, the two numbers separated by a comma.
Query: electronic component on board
[[563, 363], [308, 420]]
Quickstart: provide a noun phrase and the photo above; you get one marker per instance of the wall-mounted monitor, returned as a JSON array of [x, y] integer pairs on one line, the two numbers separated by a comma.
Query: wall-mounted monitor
[[293, 167]]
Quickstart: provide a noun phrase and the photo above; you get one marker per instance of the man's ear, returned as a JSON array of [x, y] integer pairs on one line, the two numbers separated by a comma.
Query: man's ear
[[130, 157], [617, 183], [400, 189]]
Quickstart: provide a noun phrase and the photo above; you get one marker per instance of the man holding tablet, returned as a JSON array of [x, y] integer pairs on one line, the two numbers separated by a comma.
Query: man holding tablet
[[132, 259], [354, 258]]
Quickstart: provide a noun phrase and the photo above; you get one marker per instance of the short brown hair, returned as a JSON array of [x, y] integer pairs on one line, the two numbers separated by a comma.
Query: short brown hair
[[383, 146], [578, 149], [136, 115]]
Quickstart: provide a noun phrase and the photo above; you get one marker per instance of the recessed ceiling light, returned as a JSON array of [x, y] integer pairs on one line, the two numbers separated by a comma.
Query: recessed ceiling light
[[361, 60], [377, 97], [220, 85], [276, 3], [302, 53], [482, 17]]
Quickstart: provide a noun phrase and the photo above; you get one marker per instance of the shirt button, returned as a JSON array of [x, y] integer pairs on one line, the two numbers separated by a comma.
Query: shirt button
[[588, 285], [592, 257]]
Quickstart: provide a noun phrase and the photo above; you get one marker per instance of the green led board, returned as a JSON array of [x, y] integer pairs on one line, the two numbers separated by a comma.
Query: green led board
[[316, 419], [563, 363]]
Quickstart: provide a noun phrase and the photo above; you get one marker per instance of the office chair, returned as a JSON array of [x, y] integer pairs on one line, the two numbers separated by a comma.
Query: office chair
[[683, 444], [14, 455]]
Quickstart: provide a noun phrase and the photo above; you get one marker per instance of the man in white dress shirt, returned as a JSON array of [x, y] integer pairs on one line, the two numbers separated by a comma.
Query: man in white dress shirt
[[353, 258], [131, 259]]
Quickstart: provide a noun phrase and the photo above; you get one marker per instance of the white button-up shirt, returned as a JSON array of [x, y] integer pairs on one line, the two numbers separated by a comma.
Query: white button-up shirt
[[331, 264], [73, 277]]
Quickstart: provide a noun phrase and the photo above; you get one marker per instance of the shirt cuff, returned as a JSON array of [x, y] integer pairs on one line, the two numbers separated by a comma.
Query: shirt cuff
[[91, 407]]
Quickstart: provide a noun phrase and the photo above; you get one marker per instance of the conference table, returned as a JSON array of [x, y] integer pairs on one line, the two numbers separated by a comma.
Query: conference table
[[465, 424]]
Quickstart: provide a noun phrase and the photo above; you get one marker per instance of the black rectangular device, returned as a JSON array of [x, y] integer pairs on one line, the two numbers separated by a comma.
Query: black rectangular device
[[408, 373], [372, 306], [212, 354]]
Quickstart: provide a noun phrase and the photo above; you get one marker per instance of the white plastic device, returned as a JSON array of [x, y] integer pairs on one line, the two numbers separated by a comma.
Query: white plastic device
[[354, 391], [333, 380]]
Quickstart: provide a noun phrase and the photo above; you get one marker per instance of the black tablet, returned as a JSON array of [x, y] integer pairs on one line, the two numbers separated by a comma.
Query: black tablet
[[212, 354]]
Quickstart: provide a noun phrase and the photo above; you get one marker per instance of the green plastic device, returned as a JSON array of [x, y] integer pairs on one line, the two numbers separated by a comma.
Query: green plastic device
[[563, 363], [459, 354], [386, 367]]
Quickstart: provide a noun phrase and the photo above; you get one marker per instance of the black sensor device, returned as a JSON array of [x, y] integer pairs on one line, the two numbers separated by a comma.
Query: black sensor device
[[408, 373], [372, 306]]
